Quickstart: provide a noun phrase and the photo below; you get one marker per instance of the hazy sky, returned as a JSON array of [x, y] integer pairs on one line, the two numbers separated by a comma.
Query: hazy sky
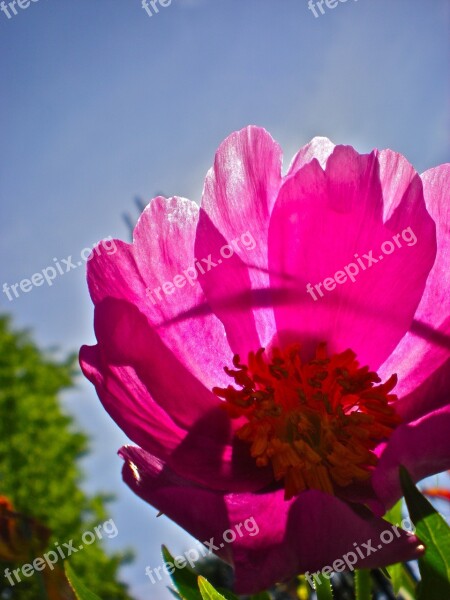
[[100, 102]]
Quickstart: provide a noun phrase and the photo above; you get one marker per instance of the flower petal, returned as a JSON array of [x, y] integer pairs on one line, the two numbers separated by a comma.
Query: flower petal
[[126, 339], [421, 358], [180, 499], [163, 249], [174, 417], [274, 539], [239, 193], [423, 447], [319, 148], [326, 221], [129, 404]]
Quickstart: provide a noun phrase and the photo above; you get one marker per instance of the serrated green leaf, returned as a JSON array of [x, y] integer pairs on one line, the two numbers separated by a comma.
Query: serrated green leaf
[[81, 592], [185, 580], [207, 591], [323, 588], [363, 584], [434, 532], [401, 579]]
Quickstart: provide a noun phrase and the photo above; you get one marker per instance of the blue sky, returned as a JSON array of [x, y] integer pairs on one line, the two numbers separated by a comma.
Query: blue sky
[[100, 103]]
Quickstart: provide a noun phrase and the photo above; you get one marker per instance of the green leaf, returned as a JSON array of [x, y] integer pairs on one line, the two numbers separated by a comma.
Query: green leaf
[[394, 515], [363, 584], [185, 580], [434, 532], [81, 592], [323, 588], [207, 591], [401, 579]]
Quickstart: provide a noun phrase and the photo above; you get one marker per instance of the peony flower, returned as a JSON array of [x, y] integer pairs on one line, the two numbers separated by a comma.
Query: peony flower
[[277, 353]]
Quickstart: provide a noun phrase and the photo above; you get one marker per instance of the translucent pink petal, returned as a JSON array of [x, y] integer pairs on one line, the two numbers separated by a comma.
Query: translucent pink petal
[[319, 148], [320, 221], [126, 339], [163, 248], [429, 395], [278, 539], [421, 358], [175, 417], [423, 447], [238, 196], [129, 404]]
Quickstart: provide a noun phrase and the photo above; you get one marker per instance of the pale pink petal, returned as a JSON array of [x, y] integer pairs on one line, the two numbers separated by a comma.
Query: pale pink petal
[[163, 250], [239, 194], [319, 148]]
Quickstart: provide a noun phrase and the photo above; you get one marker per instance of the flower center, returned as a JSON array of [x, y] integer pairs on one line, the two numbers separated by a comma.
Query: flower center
[[317, 423]]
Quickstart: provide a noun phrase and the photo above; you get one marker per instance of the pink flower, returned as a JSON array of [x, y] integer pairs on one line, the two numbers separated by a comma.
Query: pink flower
[[354, 378]]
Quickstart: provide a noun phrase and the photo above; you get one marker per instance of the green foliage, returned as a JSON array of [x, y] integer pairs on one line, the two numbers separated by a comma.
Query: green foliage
[[81, 592], [39, 473], [323, 589], [402, 582], [207, 591], [187, 582], [363, 584], [434, 532]]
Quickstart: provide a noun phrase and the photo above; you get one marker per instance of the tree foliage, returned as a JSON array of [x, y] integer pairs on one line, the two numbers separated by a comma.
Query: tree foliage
[[39, 469]]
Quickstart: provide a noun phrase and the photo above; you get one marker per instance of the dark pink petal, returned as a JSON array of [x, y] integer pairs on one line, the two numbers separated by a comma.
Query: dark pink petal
[[163, 249], [130, 405], [181, 500], [156, 400], [126, 339], [309, 534], [279, 539], [239, 193], [423, 447], [320, 221], [429, 395], [421, 358]]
